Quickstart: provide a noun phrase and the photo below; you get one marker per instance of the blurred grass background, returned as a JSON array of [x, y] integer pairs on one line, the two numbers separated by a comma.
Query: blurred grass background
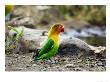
[[93, 14]]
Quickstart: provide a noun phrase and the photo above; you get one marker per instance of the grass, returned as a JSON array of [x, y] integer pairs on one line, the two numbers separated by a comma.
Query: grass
[[12, 42]]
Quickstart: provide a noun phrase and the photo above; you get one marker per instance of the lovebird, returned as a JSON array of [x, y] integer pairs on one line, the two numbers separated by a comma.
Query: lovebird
[[8, 9], [51, 44]]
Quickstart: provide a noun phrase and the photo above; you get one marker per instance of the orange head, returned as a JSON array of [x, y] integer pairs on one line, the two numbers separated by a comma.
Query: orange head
[[56, 29]]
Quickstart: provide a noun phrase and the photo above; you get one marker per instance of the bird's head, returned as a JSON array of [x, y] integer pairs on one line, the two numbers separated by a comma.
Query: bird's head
[[56, 29]]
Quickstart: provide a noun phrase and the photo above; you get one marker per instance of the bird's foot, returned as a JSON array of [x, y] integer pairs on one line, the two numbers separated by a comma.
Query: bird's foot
[[54, 60], [42, 62]]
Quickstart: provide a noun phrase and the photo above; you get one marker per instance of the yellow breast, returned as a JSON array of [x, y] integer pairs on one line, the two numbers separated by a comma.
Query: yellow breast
[[9, 8], [55, 38]]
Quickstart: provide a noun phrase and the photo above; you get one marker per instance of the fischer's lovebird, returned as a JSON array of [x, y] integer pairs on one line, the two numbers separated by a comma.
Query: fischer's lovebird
[[51, 45], [8, 9]]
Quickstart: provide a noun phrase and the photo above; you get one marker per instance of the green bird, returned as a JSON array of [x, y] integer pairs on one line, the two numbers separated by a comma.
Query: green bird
[[51, 45], [8, 9]]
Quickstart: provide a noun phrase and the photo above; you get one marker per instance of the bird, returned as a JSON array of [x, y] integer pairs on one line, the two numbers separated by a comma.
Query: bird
[[50, 47], [8, 9]]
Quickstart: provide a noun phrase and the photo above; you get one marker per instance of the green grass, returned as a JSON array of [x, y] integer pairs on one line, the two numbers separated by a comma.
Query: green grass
[[12, 42]]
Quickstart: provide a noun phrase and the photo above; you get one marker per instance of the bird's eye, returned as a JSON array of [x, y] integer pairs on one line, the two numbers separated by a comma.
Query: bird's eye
[[56, 26]]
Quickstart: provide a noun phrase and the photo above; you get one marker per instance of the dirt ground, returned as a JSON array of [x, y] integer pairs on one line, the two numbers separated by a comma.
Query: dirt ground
[[23, 62]]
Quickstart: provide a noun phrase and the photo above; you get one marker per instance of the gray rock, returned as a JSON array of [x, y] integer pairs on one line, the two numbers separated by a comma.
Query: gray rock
[[22, 21], [74, 46], [78, 42], [32, 39], [34, 65], [69, 66]]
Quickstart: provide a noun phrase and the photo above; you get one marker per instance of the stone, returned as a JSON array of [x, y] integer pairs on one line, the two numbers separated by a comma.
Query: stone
[[32, 39], [34, 65], [69, 66]]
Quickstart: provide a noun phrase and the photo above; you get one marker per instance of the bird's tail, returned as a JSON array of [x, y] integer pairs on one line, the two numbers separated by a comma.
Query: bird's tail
[[35, 53], [35, 57]]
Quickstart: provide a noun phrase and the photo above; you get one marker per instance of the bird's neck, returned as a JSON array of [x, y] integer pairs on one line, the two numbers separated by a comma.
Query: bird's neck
[[54, 37]]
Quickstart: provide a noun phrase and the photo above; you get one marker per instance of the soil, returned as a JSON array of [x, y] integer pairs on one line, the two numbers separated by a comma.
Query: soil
[[23, 62]]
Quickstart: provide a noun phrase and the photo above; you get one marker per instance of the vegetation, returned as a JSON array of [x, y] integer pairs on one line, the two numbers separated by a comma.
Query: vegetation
[[94, 14], [13, 41]]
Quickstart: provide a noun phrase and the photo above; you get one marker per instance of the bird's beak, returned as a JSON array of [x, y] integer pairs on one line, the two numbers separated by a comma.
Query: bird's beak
[[62, 29]]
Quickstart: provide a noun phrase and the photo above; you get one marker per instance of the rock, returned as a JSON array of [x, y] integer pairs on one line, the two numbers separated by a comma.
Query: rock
[[74, 46], [28, 66], [16, 55], [92, 65], [51, 61], [99, 51], [24, 56], [22, 21], [102, 60], [99, 64], [32, 39], [77, 42], [34, 65], [78, 69], [69, 66], [79, 61], [81, 66], [91, 58]]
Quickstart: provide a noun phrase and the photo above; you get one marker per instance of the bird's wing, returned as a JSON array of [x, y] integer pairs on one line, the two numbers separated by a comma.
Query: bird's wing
[[46, 48]]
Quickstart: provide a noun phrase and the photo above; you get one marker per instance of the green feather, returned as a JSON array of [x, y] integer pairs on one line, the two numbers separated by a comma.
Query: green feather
[[49, 49], [8, 9]]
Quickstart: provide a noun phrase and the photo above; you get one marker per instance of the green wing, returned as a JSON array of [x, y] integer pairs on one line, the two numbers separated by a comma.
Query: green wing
[[46, 48], [7, 12]]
